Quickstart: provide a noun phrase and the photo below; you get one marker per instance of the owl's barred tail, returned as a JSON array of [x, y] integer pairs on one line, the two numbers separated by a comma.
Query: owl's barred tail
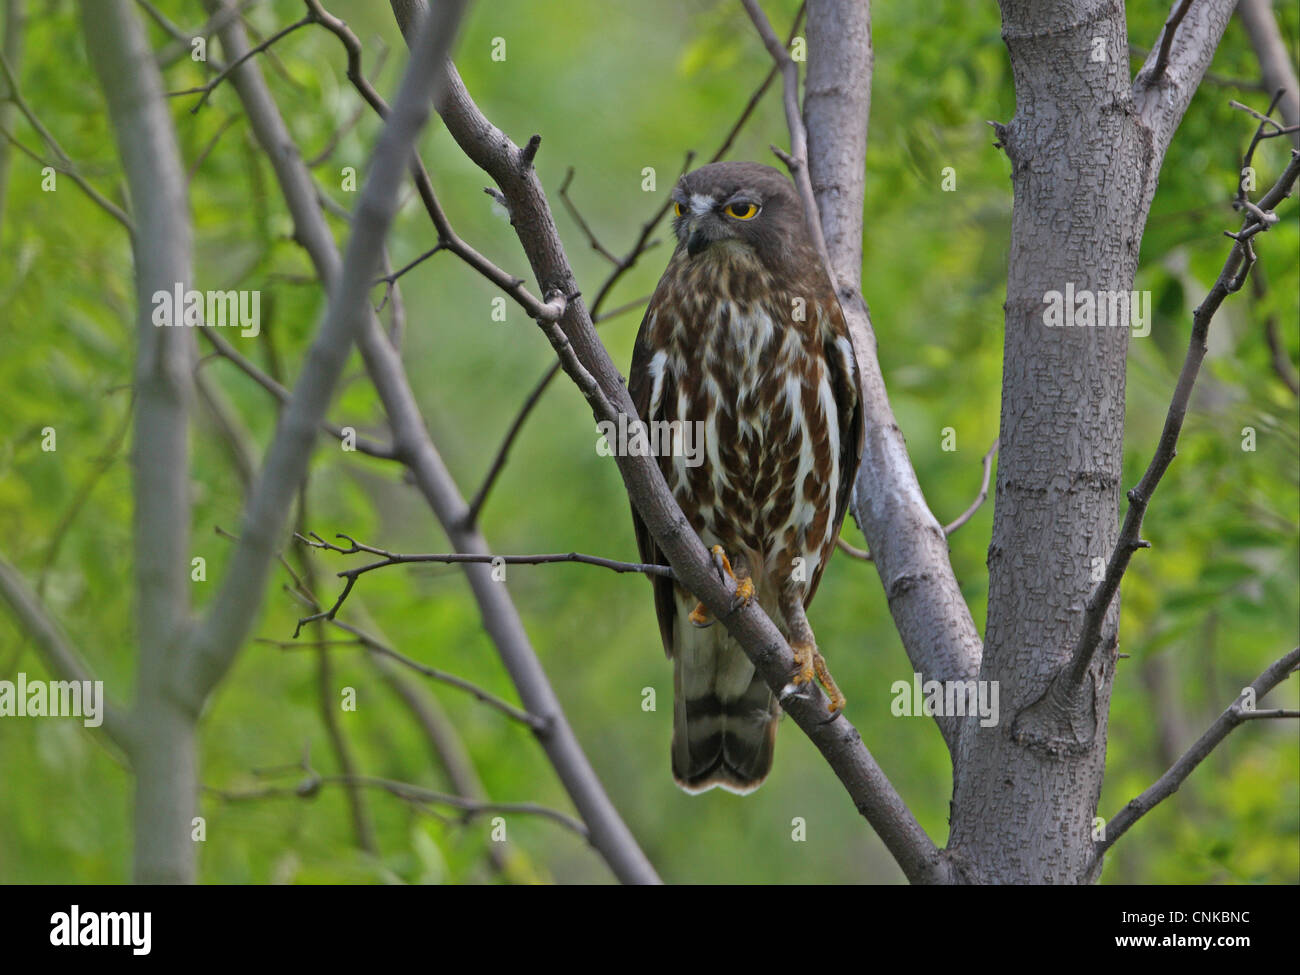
[[723, 742]]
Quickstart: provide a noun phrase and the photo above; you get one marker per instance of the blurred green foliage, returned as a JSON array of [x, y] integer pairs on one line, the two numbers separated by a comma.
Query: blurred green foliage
[[615, 88]]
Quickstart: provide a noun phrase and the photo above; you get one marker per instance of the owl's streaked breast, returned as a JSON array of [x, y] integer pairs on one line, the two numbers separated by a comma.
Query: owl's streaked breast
[[746, 369]]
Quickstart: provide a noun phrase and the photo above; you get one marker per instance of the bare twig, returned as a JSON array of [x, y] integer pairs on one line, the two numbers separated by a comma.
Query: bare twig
[[387, 558], [1167, 39], [227, 351], [56, 649], [797, 159], [952, 526], [62, 162], [413, 794], [207, 90], [361, 638], [592, 239], [447, 237], [969, 513], [1231, 718]]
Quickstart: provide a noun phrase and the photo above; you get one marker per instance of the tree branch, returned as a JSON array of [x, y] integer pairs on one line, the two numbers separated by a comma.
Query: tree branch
[[1167, 39], [953, 525], [393, 558], [227, 351], [1168, 783], [1275, 65], [63, 162], [60, 656]]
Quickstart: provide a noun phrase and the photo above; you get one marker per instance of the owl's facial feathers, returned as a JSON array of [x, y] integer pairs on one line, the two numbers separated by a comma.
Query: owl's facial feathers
[[743, 203]]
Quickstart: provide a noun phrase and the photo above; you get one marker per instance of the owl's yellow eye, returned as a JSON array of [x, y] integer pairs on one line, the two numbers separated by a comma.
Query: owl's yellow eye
[[679, 210], [741, 211]]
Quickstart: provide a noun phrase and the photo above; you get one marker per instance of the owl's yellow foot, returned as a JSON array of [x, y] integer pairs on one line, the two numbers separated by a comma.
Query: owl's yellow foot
[[700, 616], [810, 664]]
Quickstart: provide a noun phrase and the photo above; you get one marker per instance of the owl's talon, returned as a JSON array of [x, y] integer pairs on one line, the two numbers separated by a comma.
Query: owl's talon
[[744, 591], [827, 681], [700, 616], [744, 584]]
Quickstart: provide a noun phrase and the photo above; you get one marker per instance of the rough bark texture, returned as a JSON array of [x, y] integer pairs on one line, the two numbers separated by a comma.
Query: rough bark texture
[[1085, 147]]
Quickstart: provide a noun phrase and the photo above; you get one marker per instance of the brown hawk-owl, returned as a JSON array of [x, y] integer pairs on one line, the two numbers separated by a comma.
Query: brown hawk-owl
[[745, 339]]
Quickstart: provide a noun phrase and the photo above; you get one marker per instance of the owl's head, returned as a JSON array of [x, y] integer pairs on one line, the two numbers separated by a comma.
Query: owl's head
[[738, 205]]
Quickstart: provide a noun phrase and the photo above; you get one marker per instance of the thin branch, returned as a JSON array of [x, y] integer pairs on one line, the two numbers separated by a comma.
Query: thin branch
[[797, 159], [1278, 353], [211, 144], [952, 526], [397, 558], [592, 239], [447, 237], [221, 76], [56, 649], [387, 558], [969, 513], [227, 351], [413, 794], [390, 279], [63, 162], [503, 451], [336, 136], [1167, 39], [361, 638], [1168, 783]]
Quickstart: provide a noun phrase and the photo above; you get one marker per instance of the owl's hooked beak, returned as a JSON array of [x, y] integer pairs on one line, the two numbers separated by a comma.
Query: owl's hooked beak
[[697, 241]]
